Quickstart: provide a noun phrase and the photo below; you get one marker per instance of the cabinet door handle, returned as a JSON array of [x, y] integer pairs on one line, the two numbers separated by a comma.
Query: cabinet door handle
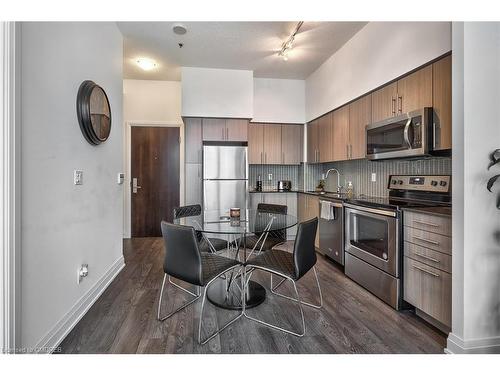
[[227, 134], [427, 257], [393, 102], [222, 133], [347, 151], [425, 223], [400, 103], [425, 271], [350, 151], [426, 240]]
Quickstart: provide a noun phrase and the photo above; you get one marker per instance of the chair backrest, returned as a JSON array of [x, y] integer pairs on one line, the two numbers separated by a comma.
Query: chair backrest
[[182, 255], [186, 211], [273, 209], [304, 254]]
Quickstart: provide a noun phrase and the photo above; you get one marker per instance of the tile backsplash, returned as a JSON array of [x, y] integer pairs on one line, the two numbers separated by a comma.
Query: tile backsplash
[[360, 172], [278, 172]]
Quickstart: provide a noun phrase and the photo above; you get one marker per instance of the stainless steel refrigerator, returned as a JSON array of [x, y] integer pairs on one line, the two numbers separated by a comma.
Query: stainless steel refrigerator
[[225, 176]]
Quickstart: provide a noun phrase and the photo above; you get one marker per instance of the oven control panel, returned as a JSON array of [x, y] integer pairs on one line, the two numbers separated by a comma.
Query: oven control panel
[[437, 184]]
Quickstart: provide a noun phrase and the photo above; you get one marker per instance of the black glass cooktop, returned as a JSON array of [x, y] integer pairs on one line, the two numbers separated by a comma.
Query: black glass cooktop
[[394, 202]]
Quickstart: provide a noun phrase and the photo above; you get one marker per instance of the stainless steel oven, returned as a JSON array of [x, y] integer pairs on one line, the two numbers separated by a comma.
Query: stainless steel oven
[[407, 135], [372, 250]]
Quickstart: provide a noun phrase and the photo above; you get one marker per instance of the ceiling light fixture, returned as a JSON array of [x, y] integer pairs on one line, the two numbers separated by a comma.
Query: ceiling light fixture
[[146, 64], [288, 44], [179, 29]]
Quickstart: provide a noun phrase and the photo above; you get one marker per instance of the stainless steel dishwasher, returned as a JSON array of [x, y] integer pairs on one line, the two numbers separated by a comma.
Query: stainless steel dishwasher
[[331, 229]]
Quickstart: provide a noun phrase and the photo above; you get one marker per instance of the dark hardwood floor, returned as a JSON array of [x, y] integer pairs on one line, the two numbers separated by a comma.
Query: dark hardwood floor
[[123, 320]]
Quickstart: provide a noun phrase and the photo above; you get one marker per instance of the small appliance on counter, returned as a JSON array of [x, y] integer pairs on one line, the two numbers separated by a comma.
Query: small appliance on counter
[[258, 185], [284, 185]]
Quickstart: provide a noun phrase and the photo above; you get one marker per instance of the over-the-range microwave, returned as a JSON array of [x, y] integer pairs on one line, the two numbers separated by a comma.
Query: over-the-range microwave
[[407, 135]]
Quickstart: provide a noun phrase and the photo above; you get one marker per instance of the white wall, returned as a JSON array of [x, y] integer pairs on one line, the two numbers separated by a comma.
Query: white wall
[[217, 93], [378, 53], [279, 100], [64, 225], [148, 100], [149, 103], [476, 220]]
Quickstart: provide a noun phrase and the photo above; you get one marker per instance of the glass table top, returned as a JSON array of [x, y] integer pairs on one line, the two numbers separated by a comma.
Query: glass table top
[[250, 221]]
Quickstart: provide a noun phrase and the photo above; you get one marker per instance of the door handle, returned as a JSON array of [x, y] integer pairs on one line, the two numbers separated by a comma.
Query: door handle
[[350, 151], [135, 186], [436, 243], [400, 103], [227, 134], [425, 271], [393, 101], [427, 257], [407, 135]]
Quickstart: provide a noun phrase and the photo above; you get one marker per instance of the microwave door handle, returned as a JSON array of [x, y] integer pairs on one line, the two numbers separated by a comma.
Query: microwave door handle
[[406, 133]]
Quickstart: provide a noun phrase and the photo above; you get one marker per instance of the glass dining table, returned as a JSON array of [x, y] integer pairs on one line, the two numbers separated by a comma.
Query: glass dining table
[[226, 291]]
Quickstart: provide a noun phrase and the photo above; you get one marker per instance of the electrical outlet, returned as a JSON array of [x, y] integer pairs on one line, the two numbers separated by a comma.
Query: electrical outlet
[[78, 177], [83, 271], [120, 178], [374, 177], [270, 176]]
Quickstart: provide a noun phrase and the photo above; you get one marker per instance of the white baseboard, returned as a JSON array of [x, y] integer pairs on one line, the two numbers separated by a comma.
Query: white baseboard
[[61, 329], [456, 345]]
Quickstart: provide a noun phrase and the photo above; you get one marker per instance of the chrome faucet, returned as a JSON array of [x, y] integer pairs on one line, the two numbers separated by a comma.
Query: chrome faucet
[[339, 188]]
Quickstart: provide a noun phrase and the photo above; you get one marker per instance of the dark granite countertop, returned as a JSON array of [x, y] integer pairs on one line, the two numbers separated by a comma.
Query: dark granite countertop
[[434, 210], [273, 191]]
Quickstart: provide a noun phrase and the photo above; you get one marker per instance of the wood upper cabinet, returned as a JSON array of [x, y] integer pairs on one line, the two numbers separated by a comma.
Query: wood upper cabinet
[[214, 129], [272, 144], [384, 102], [219, 129], [360, 115], [292, 144], [341, 133], [192, 140], [441, 93], [312, 142], [236, 130], [255, 143], [415, 90], [325, 138]]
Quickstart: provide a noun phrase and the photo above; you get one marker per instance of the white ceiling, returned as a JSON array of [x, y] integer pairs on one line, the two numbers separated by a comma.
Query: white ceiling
[[232, 45]]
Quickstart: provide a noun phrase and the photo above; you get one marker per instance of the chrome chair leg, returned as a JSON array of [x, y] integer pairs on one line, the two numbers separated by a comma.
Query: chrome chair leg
[[159, 317], [210, 337], [299, 334], [273, 290]]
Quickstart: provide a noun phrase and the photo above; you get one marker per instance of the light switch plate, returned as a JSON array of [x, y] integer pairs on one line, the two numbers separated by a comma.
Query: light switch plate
[[120, 178], [374, 177], [270, 176], [78, 177]]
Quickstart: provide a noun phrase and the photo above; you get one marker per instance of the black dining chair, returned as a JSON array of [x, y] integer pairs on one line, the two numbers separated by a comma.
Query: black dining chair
[[184, 261], [262, 240], [206, 244], [290, 266]]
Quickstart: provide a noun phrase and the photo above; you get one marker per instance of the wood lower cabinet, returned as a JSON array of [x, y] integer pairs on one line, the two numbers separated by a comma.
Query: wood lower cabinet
[[219, 129], [193, 187], [384, 102], [360, 115], [441, 94], [292, 144], [415, 90], [341, 134], [427, 266], [308, 208], [192, 140], [255, 143]]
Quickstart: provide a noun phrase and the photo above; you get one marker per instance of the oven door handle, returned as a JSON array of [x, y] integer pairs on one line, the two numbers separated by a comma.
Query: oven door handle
[[407, 135], [362, 209]]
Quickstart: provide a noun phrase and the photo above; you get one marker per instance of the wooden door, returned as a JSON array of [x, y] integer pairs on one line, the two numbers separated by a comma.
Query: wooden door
[[325, 137], [312, 141], [192, 142], [272, 144], [214, 129], [384, 102], [415, 90], [340, 133], [255, 143], [291, 143], [360, 115], [441, 102], [236, 130], [155, 165]]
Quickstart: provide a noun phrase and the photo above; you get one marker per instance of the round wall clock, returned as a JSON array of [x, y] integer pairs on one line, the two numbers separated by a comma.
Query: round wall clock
[[94, 112]]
